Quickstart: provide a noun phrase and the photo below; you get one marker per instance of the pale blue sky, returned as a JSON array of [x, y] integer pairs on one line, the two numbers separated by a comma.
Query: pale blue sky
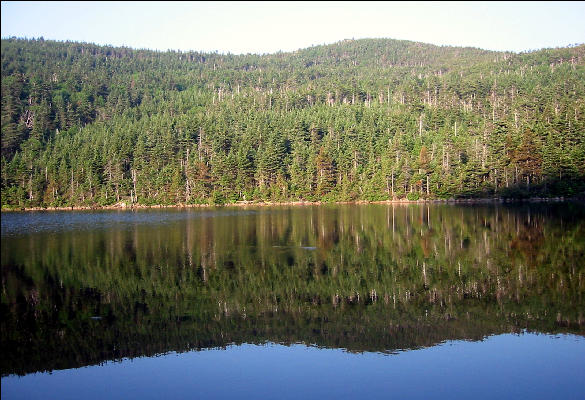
[[266, 27]]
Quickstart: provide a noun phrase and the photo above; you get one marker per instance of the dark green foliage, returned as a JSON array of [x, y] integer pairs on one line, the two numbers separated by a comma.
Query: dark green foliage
[[367, 119], [413, 196]]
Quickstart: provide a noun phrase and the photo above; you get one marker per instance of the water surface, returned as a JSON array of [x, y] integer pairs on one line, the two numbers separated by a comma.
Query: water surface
[[425, 301]]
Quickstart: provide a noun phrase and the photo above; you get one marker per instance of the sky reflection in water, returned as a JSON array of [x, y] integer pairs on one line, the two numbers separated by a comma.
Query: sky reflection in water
[[503, 366]]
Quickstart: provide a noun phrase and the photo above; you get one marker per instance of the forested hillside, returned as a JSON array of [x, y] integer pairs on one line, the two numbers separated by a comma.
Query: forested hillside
[[359, 119]]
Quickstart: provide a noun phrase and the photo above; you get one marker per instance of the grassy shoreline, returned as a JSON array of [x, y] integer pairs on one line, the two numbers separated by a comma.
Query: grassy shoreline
[[125, 206]]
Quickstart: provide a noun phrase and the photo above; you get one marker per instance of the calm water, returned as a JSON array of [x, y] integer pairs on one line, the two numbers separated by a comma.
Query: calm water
[[336, 301]]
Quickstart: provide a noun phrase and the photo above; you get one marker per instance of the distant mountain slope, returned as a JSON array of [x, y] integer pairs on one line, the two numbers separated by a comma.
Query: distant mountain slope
[[358, 119]]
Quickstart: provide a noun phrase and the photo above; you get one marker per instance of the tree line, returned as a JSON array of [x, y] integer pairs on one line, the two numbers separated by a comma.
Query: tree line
[[364, 119]]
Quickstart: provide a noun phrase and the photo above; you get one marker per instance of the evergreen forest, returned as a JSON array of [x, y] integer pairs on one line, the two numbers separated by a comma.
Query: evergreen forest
[[370, 119]]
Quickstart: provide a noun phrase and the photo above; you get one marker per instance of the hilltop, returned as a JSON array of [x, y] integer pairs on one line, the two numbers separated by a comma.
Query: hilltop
[[369, 119]]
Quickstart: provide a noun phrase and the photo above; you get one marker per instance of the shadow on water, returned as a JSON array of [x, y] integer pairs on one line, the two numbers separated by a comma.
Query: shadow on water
[[380, 278]]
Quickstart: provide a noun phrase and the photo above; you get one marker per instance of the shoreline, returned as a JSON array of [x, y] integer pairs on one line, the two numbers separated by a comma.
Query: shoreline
[[124, 206]]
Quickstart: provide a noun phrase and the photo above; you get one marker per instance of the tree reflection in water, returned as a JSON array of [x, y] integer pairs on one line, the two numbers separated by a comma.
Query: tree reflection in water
[[360, 277]]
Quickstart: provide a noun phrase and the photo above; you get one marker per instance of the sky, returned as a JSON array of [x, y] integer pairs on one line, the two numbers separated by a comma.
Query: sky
[[268, 27]]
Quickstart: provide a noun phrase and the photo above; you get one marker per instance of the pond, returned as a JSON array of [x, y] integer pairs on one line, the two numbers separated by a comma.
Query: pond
[[383, 300]]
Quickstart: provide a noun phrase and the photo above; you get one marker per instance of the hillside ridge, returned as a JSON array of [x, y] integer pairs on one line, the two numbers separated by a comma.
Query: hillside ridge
[[366, 119]]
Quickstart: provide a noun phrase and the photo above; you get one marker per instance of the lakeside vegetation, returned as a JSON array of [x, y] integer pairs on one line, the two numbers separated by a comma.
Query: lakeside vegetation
[[372, 119]]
